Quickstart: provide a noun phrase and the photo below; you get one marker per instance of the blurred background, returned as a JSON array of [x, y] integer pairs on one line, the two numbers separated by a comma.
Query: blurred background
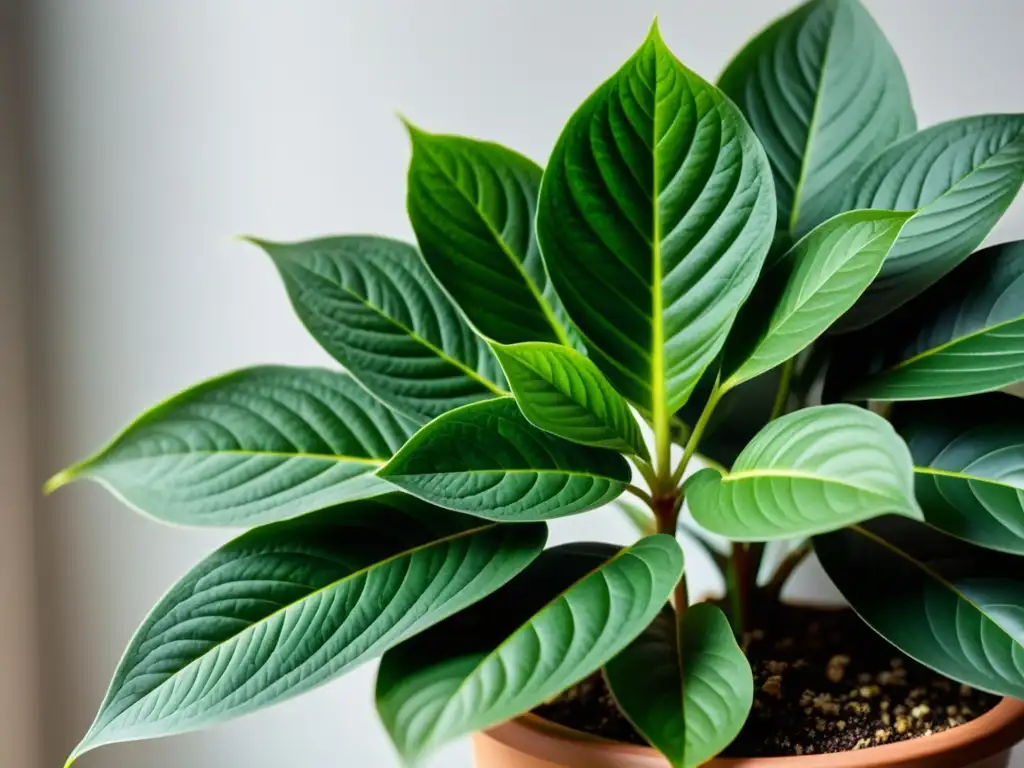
[[138, 136]]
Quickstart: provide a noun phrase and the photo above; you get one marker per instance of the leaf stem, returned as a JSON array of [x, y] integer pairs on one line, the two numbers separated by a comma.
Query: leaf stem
[[773, 589], [641, 494], [646, 471], [698, 430], [782, 393]]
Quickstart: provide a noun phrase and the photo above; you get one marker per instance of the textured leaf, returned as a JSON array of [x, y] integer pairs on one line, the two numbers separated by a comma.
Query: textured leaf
[[472, 205], [962, 176], [687, 690], [562, 392], [824, 92], [566, 615], [952, 606], [254, 446], [488, 460], [969, 463], [289, 606], [806, 290], [656, 212], [808, 472], [962, 337], [373, 305]]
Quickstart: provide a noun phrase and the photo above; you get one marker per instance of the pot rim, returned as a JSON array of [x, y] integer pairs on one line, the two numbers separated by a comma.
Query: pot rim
[[993, 732]]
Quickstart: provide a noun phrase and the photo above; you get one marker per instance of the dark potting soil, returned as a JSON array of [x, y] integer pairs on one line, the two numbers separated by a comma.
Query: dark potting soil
[[823, 682]]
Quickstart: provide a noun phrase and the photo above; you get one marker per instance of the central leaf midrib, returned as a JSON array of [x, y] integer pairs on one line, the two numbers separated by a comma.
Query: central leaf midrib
[[510, 471], [957, 475], [936, 350], [796, 474], [336, 458]]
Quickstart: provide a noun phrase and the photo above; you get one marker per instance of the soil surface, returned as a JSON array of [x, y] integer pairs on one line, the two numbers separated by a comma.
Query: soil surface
[[823, 682]]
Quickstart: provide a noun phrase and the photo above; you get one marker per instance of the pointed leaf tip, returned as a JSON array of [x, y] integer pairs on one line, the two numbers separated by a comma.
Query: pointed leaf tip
[[59, 480]]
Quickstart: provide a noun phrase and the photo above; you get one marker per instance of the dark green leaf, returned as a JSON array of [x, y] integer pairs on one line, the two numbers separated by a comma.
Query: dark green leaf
[[688, 690], [824, 92], [562, 392], [808, 472], [373, 305], [655, 215], [961, 176], [254, 446], [488, 460], [472, 205], [969, 463], [952, 606], [572, 610], [807, 289], [964, 336], [286, 607]]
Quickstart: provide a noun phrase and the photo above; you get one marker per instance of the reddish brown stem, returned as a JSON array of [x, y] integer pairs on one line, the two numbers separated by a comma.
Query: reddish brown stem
[[666, 512]]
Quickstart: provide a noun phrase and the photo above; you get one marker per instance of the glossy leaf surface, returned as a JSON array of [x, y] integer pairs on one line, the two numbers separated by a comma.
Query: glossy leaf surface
[[656, 212], [373, 305], [488, 460], [472, 205], [811, 471], [824, 92], [288, 606], [254, 446], [952, 606], [562, 392], [687, 689], [572, 610]]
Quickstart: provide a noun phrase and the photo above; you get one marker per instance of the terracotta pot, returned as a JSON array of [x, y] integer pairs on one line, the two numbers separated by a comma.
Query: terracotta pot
[[533, 742]]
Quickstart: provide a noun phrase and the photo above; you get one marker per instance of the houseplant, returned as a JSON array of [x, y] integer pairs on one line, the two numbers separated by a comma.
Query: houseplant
[[686, 250]]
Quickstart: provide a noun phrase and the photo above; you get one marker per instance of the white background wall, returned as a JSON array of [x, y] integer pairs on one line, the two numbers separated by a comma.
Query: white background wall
[[165, 127]]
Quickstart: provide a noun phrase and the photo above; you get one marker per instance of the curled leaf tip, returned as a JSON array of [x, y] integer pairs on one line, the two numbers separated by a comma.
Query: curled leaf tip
[[59, 480]]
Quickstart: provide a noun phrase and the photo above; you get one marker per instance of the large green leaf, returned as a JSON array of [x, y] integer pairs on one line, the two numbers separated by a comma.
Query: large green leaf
[[373, 305], [656, 212], [969, 463], [807, 289], [254, 446], [961, 176], [291, 605], [686, 688], [824, 92], [962, 337], [562, 392], [472, 205], [566, 615], [488, 460], [952, 606], [808, 472]]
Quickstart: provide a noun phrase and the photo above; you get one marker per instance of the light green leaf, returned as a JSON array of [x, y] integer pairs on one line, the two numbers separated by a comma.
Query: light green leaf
[[824, 92], [488, 460], [964, 336], [286, 607], [808, 472], [656, 212], [373, 305], [969, 463], [686, 689], [961, 176], [562, 392], [472, 205], [806, 290], [254, 446], [951, 606], [566, 615]]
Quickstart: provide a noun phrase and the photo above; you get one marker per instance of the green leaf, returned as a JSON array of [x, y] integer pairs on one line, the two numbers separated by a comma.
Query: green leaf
[[808, 472], [969, 463], [251, 447], [806, 290], [287, 607], [688, 690], [488, 460], [562, 392], [472, 205], [951, 606], [824, 92], [373, 305], [961, 176], [566, 615], [964, 336], [656, 212]]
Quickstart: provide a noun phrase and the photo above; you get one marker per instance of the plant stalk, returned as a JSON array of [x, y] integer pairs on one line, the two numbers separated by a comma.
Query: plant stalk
[[698, 431], [782, 393], [773, 589]]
